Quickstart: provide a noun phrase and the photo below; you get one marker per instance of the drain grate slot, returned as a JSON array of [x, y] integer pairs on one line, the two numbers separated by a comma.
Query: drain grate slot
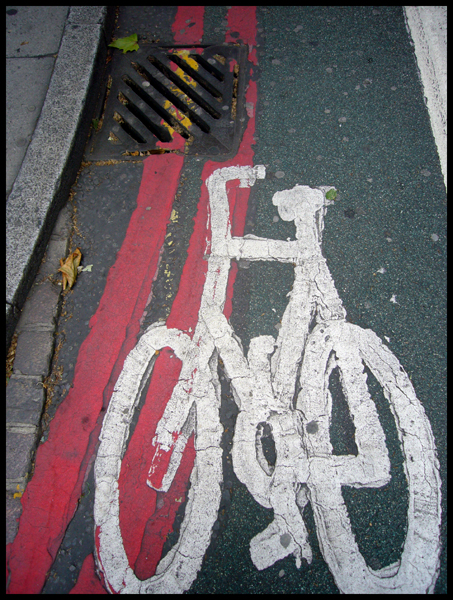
[[160, 132], [168, 117], [161, 93], [174, 99], [128, 128], [191, 93], [215, 93], [208, 65]]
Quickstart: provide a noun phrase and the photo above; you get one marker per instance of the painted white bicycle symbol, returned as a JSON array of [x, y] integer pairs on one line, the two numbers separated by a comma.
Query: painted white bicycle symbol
[[264, 385]]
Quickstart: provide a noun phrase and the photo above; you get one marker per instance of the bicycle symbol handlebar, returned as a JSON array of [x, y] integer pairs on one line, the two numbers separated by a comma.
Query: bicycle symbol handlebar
[[281, 389]]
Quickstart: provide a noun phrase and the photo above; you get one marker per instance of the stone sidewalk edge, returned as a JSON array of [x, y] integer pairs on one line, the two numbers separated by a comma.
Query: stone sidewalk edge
[[55, 152]]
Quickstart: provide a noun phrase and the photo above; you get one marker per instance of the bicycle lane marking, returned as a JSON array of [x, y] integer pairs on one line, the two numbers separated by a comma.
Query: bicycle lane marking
[[183, 316]]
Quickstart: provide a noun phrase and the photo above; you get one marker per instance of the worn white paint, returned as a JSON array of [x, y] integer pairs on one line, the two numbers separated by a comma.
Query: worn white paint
[[427, 26], [313, 339]]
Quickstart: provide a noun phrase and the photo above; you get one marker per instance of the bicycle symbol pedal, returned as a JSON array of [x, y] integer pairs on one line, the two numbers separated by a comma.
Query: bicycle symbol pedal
[[313, 340]]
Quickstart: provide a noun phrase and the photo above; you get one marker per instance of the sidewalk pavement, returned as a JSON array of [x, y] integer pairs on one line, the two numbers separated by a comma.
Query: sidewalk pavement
[[53, 60]]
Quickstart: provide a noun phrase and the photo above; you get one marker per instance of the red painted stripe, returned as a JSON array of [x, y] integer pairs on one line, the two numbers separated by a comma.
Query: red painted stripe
[[50, 499], [187, 27], [242, 20], [88, 580]]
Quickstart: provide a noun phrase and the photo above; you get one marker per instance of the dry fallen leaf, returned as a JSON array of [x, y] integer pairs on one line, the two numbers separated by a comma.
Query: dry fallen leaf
[[19, 492], [69, 268]]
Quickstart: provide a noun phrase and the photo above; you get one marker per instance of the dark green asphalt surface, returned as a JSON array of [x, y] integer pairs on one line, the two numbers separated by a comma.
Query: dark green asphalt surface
[[339, 103]]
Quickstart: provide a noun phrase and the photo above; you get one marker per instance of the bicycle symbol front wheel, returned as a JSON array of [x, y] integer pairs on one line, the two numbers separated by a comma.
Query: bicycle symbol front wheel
[[416, 571]]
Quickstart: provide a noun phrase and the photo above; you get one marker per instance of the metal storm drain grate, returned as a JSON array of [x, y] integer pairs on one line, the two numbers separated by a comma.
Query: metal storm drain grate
[[158, 94]]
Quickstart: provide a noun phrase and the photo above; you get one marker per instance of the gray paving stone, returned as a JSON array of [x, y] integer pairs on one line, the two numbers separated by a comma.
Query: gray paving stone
[[63, 225], [34, 352], [24, 400], [40, 27], [19, 452], [56, 249], [40, 311], [13, 512]]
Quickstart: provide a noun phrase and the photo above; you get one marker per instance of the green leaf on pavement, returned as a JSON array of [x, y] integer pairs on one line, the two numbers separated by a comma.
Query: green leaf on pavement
[[127, 44], [331, 194]]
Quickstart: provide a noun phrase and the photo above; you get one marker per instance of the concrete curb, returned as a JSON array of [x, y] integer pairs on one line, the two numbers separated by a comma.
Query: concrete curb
[[55, 151]]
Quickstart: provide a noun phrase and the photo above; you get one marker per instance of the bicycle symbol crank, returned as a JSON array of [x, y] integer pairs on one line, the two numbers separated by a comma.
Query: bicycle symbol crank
[[314, 339]]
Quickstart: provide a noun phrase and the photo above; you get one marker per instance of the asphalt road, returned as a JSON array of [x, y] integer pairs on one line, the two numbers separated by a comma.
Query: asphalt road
[[338, 103]]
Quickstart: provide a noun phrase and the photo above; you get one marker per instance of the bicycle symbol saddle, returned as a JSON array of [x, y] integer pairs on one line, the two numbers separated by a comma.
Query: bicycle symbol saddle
[[281, 389]]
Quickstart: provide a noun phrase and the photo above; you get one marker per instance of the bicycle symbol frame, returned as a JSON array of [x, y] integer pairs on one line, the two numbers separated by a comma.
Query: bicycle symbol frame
[[264, 389]]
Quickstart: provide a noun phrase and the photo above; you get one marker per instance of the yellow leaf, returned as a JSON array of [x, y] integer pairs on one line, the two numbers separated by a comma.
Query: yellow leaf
[[68, 268], [19, 492]]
